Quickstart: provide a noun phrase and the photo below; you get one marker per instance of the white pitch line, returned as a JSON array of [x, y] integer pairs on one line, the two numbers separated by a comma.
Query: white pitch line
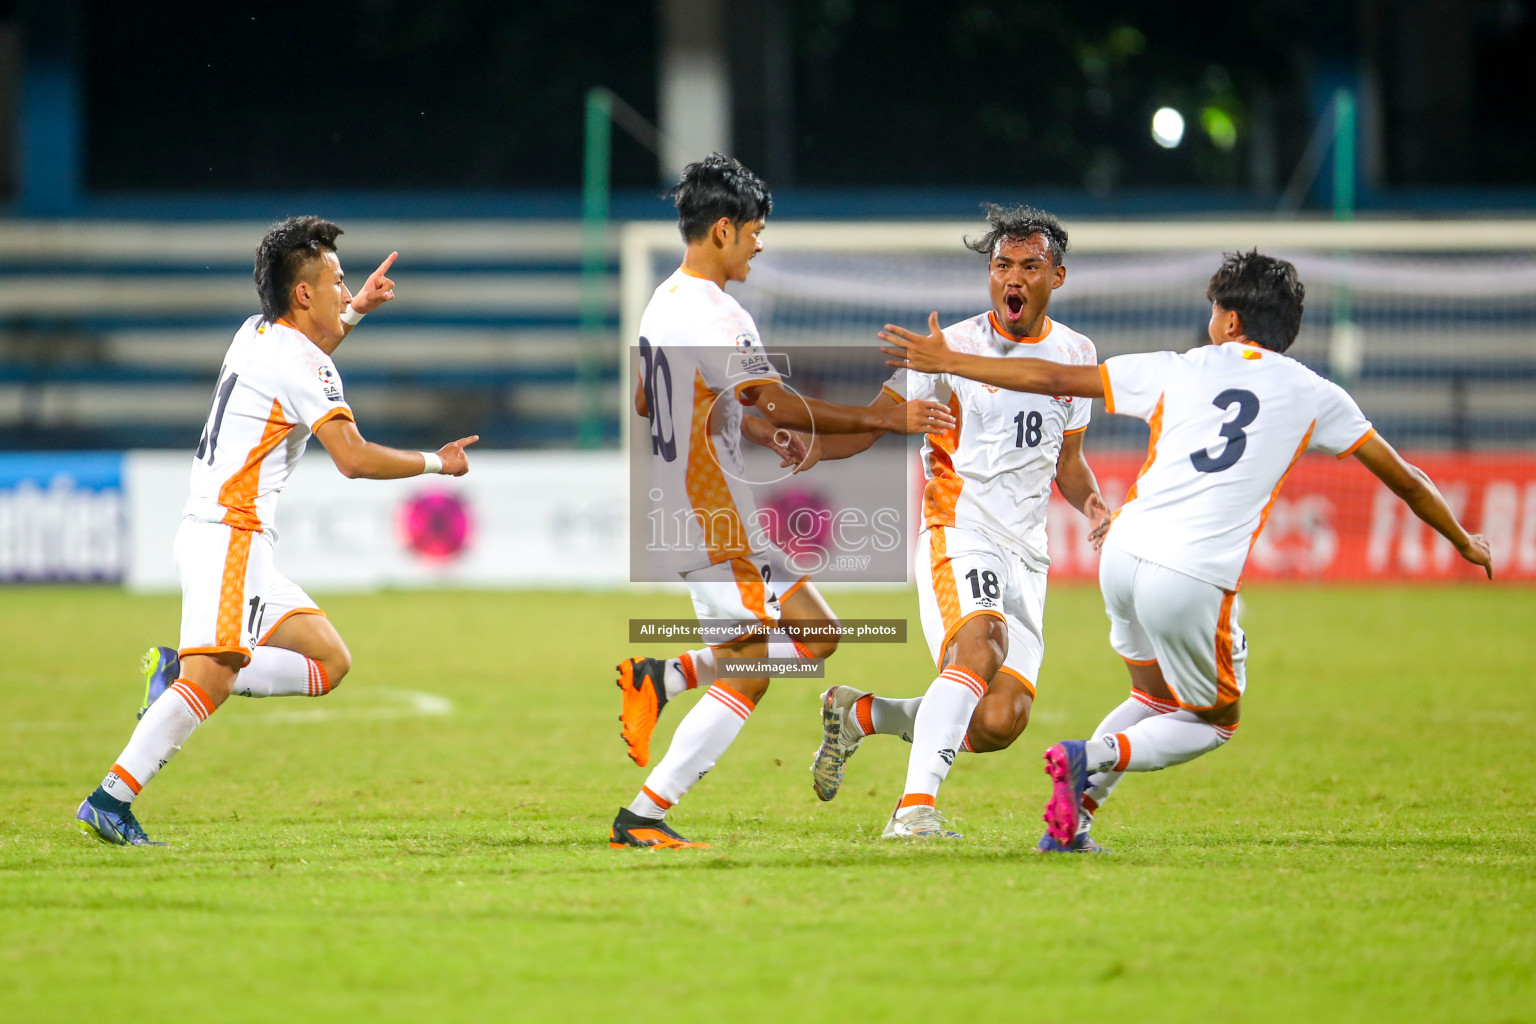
[[396, 704]]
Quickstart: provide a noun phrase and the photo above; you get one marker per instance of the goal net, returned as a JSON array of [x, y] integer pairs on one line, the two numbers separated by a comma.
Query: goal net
[[1430, 325]]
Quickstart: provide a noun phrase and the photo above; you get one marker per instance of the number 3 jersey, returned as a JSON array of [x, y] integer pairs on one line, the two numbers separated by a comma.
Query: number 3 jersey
[[1228, 423], [276, 387], [699, 355], [993, 471]]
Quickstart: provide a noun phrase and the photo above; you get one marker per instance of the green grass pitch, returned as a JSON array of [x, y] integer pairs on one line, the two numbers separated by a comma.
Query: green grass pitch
[[1362, 851]]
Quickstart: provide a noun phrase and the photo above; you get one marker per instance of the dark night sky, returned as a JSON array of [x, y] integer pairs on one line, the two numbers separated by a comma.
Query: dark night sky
[[382, 94]]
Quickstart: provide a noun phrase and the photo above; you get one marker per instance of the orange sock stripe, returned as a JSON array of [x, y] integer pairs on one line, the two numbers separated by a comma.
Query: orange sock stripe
[[965, 744], [733, 699], [1162, 707], [863, 713], [966, 678], [322, 680], [1090, 804], [915, 800], [648, 791], [803, 651], [128, 780], [196, 699], [1124, 745], [690, 674]]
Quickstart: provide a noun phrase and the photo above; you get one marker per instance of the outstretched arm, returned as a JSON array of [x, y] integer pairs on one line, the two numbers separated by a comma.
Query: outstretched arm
[[357, 458], [797, 412], [931, 354], [1421, 495]]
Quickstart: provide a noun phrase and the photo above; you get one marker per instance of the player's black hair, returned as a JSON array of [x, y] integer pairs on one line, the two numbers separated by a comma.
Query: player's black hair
[[1019, 223], [718, 186], [282, 257], [1266, 295]]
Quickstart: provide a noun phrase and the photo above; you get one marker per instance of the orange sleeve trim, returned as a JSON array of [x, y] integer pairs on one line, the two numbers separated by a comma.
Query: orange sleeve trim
[[1346, 453], [1109, 391], [286, 616], [1133, 661], [339, 411], [1069, 433], [888, 390]]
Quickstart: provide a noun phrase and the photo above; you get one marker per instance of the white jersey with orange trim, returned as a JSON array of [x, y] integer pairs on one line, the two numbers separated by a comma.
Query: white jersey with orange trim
[[275, 389], [699, 353], [1228, 423], [993, 471]]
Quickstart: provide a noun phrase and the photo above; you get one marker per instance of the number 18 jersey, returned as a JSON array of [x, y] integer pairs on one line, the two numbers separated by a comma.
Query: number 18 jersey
[[1228, 423]]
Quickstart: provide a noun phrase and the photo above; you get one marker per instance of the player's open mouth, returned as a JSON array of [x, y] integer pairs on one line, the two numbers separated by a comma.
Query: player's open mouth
[[1015, 305]]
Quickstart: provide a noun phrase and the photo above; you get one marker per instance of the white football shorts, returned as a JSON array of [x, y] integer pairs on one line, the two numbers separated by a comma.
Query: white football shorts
[[962, 574], [232, 596], [1188, 626], [738, 596]]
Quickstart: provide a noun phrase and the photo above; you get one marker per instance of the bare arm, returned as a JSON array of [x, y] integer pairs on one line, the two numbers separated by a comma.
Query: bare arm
[[797, 412], [1075, 480], [1421, 495], [843, 446], [640, 405], [357, 458], [932, 354]]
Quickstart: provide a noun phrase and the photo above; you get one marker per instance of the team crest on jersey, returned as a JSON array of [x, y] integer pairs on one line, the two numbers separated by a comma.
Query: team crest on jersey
[[1065, 401], [328, 384], [991, 389]]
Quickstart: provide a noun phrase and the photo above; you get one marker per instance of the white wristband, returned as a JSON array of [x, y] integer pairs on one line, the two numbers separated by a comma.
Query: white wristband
[[352, 318], [434, 463]]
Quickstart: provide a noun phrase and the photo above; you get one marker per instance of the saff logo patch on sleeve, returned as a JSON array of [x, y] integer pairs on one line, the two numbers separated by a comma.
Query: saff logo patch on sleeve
[[329, 385]]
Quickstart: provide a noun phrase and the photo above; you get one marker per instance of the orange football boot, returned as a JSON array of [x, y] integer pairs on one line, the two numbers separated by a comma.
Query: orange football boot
[[629, 829], [640, 680]]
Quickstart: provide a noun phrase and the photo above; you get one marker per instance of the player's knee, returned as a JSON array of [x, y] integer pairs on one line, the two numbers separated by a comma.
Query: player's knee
[[337, 664], [819, 648], [996, 726]]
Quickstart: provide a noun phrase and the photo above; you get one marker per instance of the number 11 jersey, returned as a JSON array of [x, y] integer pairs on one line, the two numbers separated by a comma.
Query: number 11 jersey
[[1228, 423]]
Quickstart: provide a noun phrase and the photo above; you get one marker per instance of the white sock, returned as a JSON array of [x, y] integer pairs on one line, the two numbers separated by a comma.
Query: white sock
[[939, 726], [1157, 743], [277, 672], [157, 738], [1137, 707], [704, 734], [689, 671], [894, 716]]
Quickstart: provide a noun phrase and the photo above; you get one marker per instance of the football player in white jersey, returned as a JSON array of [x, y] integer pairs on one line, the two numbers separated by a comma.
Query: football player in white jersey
[[1228, 421], [245, 628], [703, 365], [981, 559]]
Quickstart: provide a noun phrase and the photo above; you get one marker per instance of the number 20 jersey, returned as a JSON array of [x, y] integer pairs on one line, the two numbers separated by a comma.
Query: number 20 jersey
[[699, 356], [1228, 423], [993, 471], [275, 388]]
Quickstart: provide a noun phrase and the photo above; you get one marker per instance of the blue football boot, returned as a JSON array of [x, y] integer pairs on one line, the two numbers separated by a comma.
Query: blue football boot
[[161, 667], [1081, 843], [115, 825]]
